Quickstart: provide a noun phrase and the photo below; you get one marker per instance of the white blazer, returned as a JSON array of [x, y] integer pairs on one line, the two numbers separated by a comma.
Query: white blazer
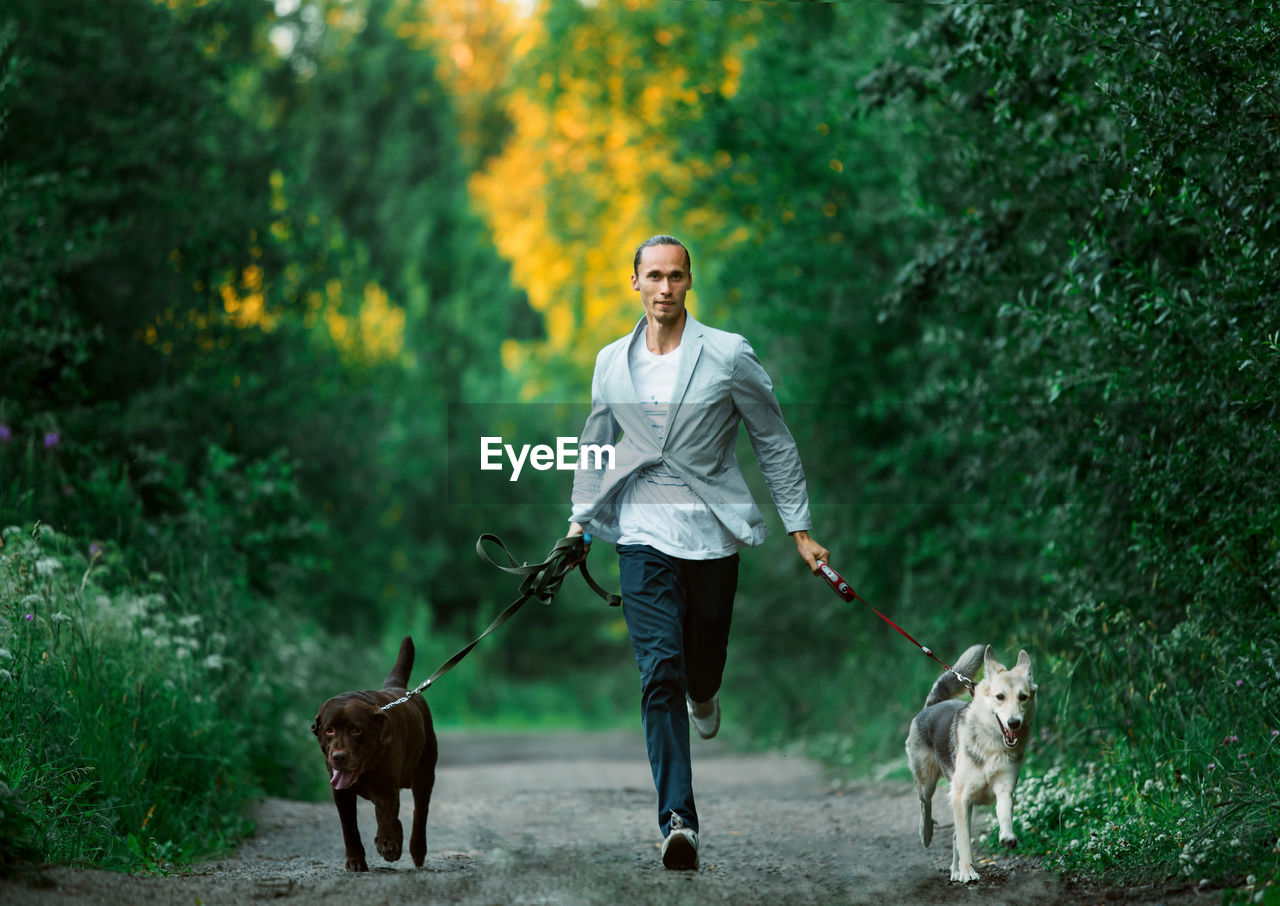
[[721, 384]]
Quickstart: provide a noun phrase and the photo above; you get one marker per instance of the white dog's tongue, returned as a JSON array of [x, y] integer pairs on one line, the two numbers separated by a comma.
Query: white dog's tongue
[[341, 779], [1010, 736]]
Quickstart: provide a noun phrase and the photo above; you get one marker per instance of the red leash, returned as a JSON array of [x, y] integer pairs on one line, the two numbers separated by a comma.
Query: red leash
[[845, 590]]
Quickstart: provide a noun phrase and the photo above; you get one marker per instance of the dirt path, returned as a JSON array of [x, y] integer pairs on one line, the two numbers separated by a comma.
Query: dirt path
[[569, 819]]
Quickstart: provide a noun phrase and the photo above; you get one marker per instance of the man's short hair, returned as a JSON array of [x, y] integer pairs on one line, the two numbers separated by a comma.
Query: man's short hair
[[661, 239]]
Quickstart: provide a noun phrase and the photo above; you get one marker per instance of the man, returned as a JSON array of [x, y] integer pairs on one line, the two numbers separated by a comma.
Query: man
[[670, 397]]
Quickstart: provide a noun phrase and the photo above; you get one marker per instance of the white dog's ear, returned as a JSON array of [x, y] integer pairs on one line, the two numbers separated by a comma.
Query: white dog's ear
[[990, 665], [1024, 662]]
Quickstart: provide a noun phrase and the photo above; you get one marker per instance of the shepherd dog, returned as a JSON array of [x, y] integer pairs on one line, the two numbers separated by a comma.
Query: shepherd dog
[[978, 746]]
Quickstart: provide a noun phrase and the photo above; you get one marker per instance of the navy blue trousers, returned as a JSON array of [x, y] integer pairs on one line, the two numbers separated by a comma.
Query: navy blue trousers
[[678, 614]]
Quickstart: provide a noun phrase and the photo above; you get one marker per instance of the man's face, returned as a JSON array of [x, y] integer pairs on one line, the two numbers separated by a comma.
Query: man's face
[[662, 279]]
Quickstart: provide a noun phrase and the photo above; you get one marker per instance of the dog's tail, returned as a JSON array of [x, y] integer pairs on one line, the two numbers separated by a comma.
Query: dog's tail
[[948, 685], [398, 678]]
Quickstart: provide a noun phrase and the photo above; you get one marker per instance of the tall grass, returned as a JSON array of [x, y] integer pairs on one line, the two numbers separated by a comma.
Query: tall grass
[[1170, 753], [119, 700]]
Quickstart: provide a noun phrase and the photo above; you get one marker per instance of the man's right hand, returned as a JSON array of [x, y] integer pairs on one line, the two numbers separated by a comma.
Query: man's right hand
[[577, 529]]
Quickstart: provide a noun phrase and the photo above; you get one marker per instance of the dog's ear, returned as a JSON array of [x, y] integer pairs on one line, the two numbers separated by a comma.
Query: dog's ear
[[315, 726], [1024, 662], [383, 721], [990, 665]]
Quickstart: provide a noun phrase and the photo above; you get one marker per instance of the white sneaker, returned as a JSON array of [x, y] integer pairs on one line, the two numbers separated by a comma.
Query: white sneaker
[[680, 849], [705, 716]]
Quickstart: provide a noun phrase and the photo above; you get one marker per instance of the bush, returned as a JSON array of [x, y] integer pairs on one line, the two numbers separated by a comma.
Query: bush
[[127, 712]]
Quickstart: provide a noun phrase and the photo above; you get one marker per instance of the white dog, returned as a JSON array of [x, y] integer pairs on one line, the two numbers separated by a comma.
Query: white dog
[[978, 746]]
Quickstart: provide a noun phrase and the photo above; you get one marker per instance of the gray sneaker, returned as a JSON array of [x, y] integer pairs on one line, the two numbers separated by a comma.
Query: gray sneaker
[[705, 716], [680, 849]]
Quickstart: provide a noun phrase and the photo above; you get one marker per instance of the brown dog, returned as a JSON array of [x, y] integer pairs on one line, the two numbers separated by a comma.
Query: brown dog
[[374, 754]]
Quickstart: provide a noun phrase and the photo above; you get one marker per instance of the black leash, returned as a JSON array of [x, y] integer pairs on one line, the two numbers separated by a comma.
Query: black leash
[[540, 580], [543, 580]]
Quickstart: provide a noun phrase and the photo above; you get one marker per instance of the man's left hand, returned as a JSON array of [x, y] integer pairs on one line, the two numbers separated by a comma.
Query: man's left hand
[[810, 551]]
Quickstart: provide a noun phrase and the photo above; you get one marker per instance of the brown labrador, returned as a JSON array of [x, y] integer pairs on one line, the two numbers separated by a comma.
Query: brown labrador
[[374, 754]]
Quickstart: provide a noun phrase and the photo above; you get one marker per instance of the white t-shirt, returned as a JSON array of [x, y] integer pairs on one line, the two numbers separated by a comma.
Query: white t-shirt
[[658, 508]]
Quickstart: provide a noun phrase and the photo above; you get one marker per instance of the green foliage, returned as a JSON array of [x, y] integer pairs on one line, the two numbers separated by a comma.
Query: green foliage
[[1033, 304], [17, 834], [247, 477], [1187, 748], [111, 701], [119, 192]]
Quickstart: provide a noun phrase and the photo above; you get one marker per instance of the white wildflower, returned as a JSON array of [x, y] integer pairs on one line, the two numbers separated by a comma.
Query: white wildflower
[[213, 662], [60, 617], [5, 674], [47, 566], [190, 621]]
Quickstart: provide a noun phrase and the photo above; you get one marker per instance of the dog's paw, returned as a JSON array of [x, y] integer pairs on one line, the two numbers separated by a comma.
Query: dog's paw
[[964, 875], [357, 863], [390, 841], [1009, 842], [418, 849]]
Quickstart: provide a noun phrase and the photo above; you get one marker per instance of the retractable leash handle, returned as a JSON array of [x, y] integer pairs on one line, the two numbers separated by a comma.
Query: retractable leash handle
[[841, 587]]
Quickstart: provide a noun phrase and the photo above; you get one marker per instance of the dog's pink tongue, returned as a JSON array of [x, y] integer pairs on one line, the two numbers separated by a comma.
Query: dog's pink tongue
[[341, 779]]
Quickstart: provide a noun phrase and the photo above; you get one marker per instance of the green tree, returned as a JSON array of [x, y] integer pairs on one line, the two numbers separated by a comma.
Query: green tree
[[121, 201]]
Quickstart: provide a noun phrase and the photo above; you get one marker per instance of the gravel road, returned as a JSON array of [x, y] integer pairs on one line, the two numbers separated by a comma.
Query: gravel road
[[569, 819]]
